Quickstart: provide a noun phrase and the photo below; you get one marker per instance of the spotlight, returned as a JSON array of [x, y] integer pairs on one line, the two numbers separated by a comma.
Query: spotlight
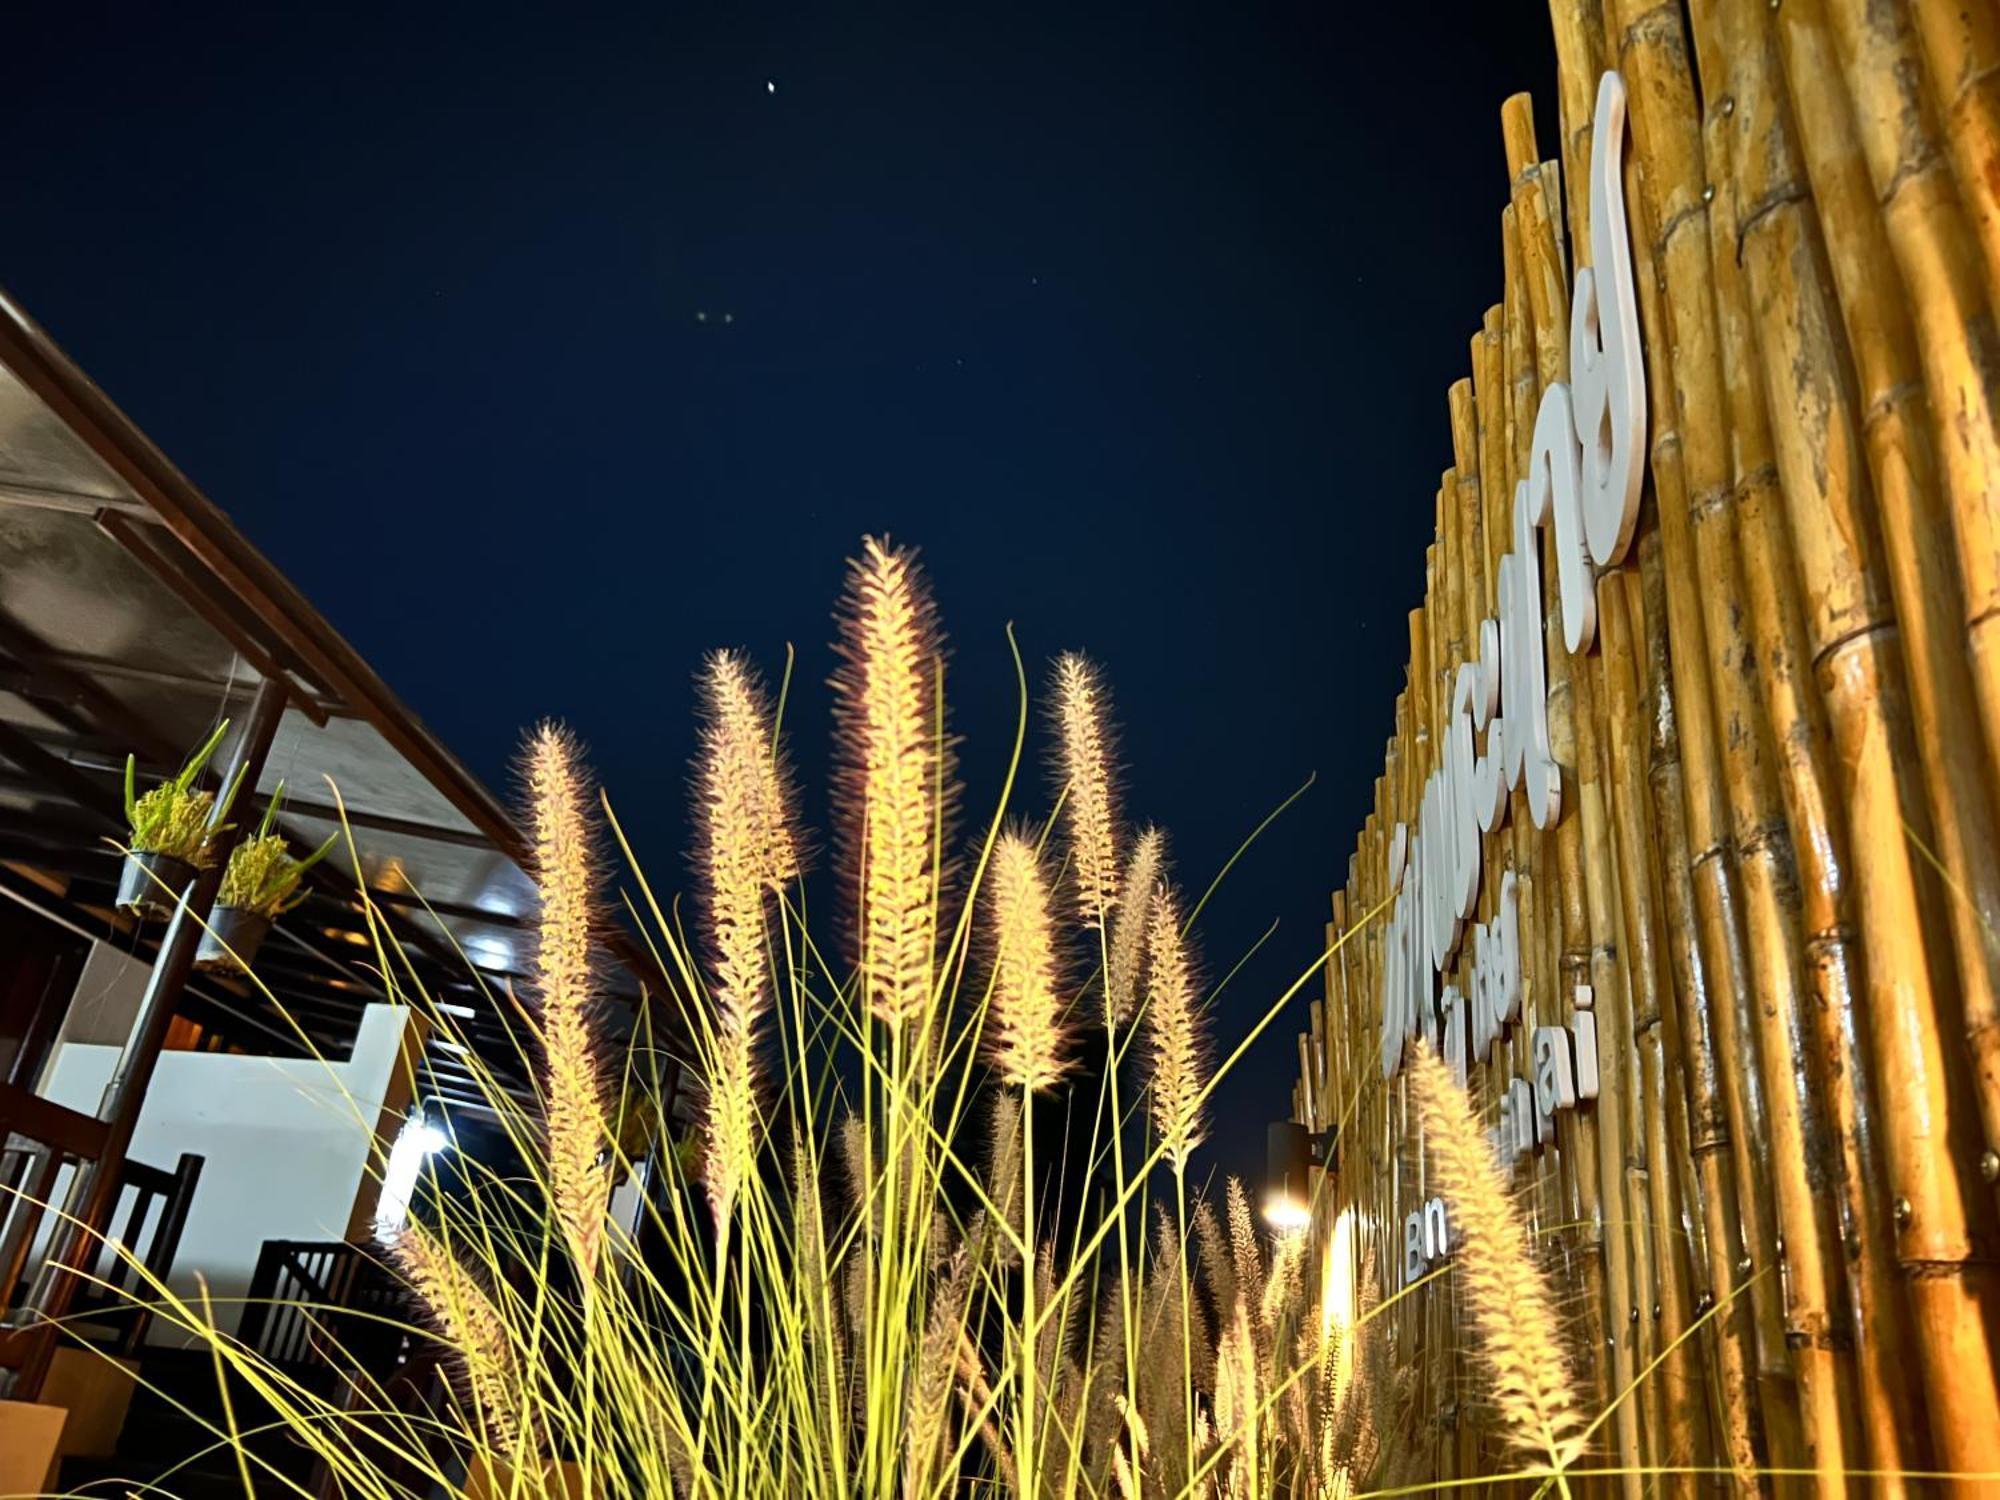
[[1291, 1152]]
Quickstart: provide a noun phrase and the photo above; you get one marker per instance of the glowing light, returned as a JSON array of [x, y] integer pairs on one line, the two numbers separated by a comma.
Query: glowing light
[[1286, 1214], [416, 1143], [1338, 1309], [1336, 1297]]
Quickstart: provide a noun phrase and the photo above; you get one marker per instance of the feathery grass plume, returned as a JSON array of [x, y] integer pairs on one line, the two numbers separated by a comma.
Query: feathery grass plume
[[738, 740], [975, 1394], [744, 707], [1127, 956], [1083, 717], [1179, 1053], [1052, 1342], [1027, 1036], [894, 772], [1163, 1372], [1276, 1316], [1354, 1376], [1520, 1336], [937, 1368], [565, 870], [1339, 1311], [1239, 1407], [1244, 1251], [1141, 1442], [1003, 1176], [730, 1129], [1281, 1287], [810, 1262], [1160, 1331], [1217, 1266], [1068, 1450], [471, 1326], [746, 850], [857, 1161], [1110, 1333]]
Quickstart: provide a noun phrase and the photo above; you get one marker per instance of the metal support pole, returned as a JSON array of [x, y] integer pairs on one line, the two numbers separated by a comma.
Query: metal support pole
[[93, 1195]]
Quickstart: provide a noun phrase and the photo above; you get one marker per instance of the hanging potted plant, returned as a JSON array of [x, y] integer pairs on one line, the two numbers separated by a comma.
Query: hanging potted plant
[[171, 834], [259, 884]]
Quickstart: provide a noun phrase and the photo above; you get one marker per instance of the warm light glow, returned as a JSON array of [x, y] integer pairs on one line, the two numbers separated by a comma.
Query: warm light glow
[[1286, 1214], [1337, 1308], [415, 1142]]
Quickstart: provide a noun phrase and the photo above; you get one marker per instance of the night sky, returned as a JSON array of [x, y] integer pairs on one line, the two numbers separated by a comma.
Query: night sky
[[545, 352]]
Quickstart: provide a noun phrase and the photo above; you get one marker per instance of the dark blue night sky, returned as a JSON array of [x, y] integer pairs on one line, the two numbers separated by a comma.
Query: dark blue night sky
[[546, 350]]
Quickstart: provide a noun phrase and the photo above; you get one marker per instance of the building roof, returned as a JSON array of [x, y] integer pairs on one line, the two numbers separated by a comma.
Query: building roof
[[134, 615]]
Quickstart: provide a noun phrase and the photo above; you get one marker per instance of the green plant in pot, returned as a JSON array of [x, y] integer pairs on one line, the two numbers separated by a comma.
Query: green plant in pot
[[259, 884], [171, 834]]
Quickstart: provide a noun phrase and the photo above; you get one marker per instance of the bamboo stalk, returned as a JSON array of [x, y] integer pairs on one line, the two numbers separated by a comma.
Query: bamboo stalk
[[1683, 1440], [1627, 1251], [1504, 363], [1717, 901], [1564, 919], [1956, 335], [1457, 555], [1739, 1420], [1652, 53], [1824, 543], [1580, 59], [1915, 525], [1859, 664], [1474, 603], [1961, 45]]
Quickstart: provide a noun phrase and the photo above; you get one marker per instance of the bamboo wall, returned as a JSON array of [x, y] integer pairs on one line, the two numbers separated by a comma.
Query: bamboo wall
[[1775, 864]]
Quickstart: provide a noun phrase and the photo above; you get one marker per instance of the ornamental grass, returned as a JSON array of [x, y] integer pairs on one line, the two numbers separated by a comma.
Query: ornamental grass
[[868, 1271]]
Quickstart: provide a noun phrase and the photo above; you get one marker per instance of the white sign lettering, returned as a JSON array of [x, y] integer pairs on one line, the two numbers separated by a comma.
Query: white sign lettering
[[1426, 1239]]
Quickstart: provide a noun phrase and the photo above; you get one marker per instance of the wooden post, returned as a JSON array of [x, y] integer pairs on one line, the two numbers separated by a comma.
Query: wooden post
[[94, 1193]]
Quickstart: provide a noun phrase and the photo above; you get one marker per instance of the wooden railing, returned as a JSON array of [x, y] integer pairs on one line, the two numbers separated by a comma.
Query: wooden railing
[[41, 1144], [115, 1305], [315, 1306]]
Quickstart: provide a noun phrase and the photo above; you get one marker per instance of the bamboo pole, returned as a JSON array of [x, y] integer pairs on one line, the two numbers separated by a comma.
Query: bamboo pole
[[1786, 1117], [1580, 59], [1858, 655], [1652, 54], [1460, 604], [1563, 915], [1592, 953], [1716, 896], [1504, 352], [1956, 335], [1823, 543], [1423, 1319], [1961, 46], [1681, 1439], [1739, 1421], [1915, 527]]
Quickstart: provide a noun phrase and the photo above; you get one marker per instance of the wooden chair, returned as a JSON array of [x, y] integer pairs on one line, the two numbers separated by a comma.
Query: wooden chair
[[116, 1314], [42, 1145]]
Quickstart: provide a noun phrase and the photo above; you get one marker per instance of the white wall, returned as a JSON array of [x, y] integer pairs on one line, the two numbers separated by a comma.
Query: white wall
[[286, 1142]]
